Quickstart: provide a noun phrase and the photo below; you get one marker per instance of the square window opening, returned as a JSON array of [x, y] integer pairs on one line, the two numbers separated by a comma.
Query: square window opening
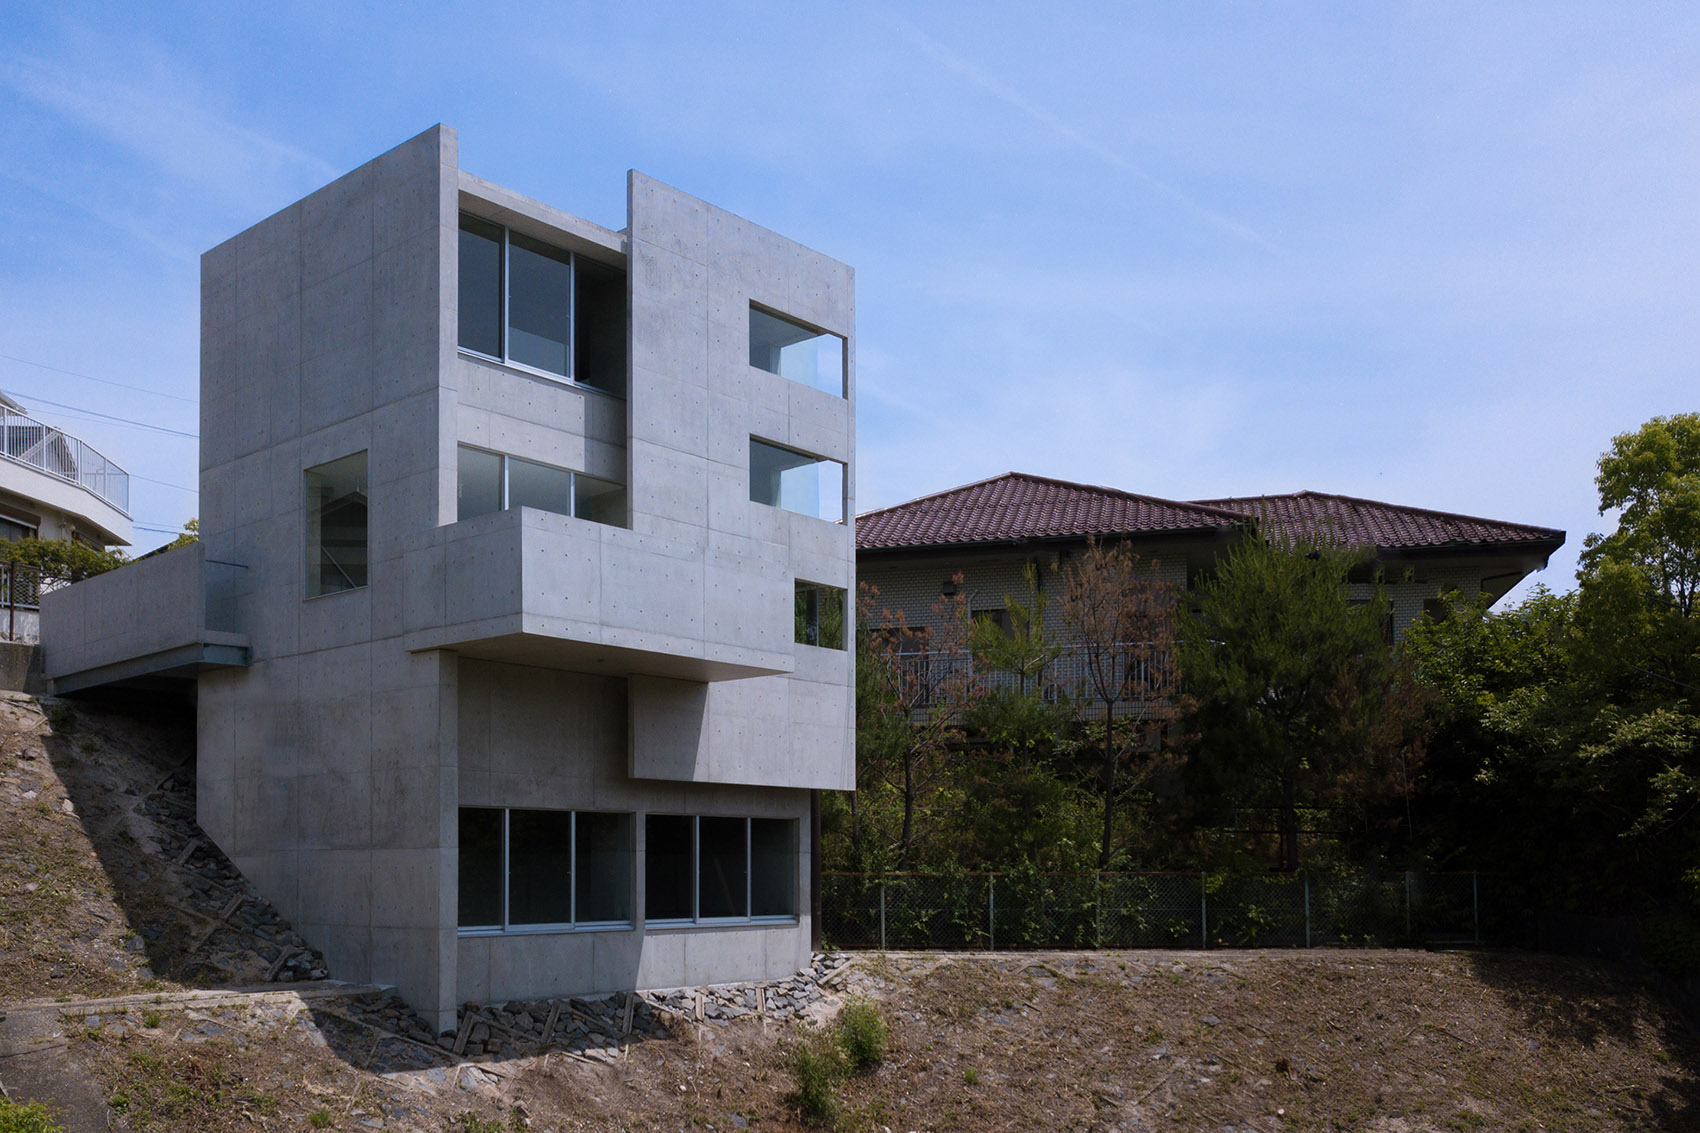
[[819, 615]]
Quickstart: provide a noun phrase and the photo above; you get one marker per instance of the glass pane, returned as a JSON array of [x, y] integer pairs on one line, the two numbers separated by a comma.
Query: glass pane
[[600, 349], [667, 868], [539, 486], [480, 868], [796, 481], [480, 484], [540, 304], [722, 858], [800, 353], [604, 878], [540, 868], [773, 867], [820, 615], [601, 501], [480, 299], [336, 526]]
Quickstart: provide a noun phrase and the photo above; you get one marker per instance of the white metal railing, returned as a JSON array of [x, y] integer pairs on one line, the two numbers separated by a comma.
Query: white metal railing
[[1135, 670], [58, 453]]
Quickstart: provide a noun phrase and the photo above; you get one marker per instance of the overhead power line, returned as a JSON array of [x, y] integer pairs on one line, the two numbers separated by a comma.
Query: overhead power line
[[92, 378], [117, 420], [163, 483]]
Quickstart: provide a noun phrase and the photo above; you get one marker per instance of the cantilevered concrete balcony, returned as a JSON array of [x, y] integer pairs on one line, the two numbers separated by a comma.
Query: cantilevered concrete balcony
[[536, 588], [172, 615]]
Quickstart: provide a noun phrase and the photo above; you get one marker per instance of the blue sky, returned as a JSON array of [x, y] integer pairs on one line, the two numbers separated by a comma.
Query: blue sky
[[1437, 254]]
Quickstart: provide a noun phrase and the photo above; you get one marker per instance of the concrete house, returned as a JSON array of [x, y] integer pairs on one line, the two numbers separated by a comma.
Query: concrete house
[[53, 485], [518, 623], [990, 530]]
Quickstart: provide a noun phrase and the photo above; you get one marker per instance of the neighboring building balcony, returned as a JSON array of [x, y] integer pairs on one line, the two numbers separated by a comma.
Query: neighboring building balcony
[[1134, 671], [537, 588], [168, 615], [66, 473]]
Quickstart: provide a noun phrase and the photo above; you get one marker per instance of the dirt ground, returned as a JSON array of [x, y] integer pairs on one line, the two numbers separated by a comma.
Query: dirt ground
[[117, 1008]]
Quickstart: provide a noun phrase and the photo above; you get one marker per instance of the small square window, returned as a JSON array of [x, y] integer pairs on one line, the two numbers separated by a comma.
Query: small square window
[[792, 350], [796, 481], [819, 615], [336, 526]]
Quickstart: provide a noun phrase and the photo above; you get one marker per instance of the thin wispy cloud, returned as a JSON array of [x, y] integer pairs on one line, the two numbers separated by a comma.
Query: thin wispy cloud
[[1076, 136], [158, 121]]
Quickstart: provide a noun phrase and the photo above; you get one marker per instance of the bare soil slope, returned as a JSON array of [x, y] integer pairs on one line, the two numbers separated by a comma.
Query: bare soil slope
[[127, 944]]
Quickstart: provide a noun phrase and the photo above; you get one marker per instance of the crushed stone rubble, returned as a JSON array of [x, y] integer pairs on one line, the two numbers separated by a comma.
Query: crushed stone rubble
[[246, 938]]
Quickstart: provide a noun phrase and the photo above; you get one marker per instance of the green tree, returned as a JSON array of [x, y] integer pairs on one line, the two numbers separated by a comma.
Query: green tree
[[1121, 617], [1295, 699], [55, 562]]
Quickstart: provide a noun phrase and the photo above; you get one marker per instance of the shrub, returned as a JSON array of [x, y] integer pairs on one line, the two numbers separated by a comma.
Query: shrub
[[1672, 943], [863, 1035], [27, 1118], [817, 1062]]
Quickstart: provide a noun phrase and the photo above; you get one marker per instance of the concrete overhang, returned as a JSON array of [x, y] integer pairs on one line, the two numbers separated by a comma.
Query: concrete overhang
[[535, 588]]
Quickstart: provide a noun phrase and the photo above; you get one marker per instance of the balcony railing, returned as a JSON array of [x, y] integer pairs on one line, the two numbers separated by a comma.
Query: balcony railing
[[1137, 672], [58, 453]]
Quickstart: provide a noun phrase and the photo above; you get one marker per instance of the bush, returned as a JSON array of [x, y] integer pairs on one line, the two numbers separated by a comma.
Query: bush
[[1672, 942], [863, 1035], [28, 1118], [817, 1062]]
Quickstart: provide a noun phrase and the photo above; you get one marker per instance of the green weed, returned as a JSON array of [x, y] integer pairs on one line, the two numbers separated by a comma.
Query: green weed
[[30, 1117]]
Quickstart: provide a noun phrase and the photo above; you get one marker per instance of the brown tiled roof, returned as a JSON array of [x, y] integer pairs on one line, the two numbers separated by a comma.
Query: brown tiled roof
[[1344, 520], [1017, 506]]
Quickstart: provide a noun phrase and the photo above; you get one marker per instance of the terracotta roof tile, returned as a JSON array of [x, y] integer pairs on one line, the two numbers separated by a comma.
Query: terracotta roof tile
[[1348, 521], [1017, 506]]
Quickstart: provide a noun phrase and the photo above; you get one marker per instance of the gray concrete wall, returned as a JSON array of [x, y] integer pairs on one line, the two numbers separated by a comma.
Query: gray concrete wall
[[328, 768], [144, 608], [545, 739], [695, 404]]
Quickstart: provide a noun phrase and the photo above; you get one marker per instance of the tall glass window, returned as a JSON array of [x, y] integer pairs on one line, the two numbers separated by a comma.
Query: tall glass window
[[529, 303], [796, 481], [795, 351], [336, 526]]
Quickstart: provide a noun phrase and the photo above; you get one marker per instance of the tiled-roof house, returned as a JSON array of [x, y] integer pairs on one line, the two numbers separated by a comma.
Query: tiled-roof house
[[990, 530]]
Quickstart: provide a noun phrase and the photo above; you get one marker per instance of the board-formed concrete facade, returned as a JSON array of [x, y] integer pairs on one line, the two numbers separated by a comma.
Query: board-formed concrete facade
[[521, 662]]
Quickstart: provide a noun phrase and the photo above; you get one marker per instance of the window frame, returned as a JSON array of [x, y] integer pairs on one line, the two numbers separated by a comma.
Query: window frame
[[504, 328], [573, 476], [312, 529], [814, 458], [842, 390], [507, 927], [696, 919], [812, 624]]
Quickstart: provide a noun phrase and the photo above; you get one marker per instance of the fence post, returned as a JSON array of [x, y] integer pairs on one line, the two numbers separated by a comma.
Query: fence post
[[992, 911], [1204, 911], [882, 912], [1475, 907], [1307, 910], [1407, 904], [1097, 910]]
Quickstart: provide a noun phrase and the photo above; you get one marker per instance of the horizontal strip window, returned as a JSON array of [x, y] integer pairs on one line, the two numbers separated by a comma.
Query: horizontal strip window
[[525, 302], [544, 870], [792, 350], [492, 481], [796, 481], [713, 870]]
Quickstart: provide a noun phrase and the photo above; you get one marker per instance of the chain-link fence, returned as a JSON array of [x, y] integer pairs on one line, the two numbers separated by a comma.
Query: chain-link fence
[[1029, 910]]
